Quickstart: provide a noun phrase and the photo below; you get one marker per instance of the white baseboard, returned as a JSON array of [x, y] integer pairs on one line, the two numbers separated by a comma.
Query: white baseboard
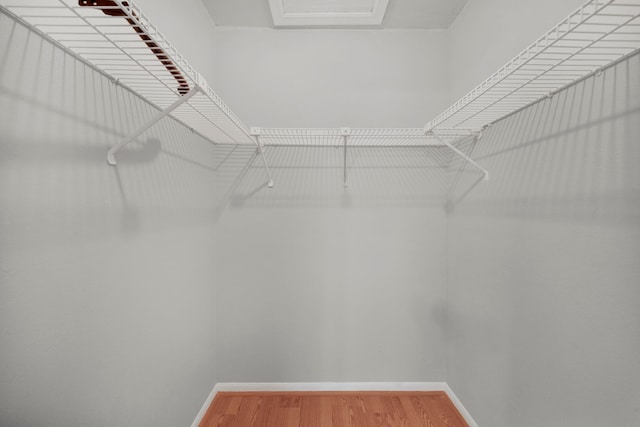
[[327, 386], [460, 407], [205, 407]]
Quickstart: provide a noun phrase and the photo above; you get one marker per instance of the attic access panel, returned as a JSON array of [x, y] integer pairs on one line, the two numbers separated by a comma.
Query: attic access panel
[[304, 13], [328, 6]]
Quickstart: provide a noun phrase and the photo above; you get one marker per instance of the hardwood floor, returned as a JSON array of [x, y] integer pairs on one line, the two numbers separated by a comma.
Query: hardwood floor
[[332, 409]]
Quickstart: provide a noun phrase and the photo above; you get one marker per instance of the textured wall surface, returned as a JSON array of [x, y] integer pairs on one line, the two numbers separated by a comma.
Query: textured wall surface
[[543, 325], [332, 78], [126, 293], [106, 274], [326, 283]]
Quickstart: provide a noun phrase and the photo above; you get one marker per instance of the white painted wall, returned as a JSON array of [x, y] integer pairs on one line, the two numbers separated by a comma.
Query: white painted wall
[[324, 283], [332, 78], [543, 323], [309, 282], [486, 34], [107, 284]]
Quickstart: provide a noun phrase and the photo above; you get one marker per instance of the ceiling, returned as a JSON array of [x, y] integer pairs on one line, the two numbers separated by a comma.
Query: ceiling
[[424, 14]]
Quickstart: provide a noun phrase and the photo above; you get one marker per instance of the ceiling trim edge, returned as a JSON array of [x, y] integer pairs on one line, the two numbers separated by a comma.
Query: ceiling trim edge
[[281, 18]]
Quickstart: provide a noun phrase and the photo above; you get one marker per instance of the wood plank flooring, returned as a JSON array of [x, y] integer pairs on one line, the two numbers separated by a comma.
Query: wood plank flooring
[[332, 409]]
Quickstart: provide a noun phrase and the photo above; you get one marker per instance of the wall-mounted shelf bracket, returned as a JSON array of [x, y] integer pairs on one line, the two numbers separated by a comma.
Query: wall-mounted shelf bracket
[[345, 133], [111, 154], [433, 135], [255, 132]]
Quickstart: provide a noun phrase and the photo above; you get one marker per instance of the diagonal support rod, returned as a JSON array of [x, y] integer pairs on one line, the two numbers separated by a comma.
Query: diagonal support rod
[[111, 154], [264, 161], [461, 154]]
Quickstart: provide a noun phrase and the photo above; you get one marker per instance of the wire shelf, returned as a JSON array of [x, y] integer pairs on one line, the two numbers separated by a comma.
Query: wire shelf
[[355, 137], [121, 41], [595, 35], [117, 38]]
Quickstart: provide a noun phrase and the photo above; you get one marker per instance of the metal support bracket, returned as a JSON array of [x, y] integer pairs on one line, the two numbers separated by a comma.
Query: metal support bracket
[[255, 132], [460, 153], [111, 154], [345, 132]]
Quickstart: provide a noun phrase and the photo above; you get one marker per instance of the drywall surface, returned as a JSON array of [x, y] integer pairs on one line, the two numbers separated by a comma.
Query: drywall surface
[[326, 283], [332, 78], [106, 275], [487, 33], [543, 321]]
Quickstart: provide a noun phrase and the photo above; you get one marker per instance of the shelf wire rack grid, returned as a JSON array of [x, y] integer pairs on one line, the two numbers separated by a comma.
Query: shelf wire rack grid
[[121, 41], [118, 39], [354, 137], [595, 35]]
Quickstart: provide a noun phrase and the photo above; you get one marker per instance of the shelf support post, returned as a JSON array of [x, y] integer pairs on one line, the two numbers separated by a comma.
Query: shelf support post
[[345, 132], [255, 132], [460, 153], [111, 154]]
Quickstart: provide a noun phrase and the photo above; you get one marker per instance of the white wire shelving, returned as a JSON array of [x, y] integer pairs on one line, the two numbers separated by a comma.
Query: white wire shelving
[[117, 38], [596, 34], [355, 137]]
